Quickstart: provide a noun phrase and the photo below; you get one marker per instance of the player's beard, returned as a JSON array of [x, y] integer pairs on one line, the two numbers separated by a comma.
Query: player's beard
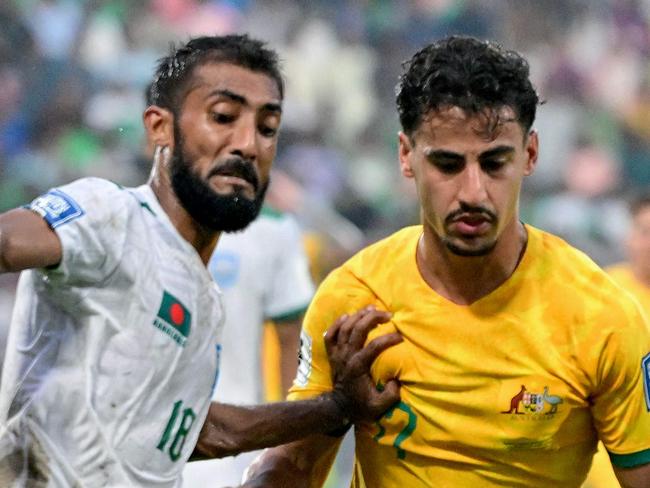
[[485, 248], [227, 213]]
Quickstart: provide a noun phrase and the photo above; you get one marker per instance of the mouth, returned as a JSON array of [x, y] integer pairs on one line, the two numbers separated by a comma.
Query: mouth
[[226, 184], [234, 177], [471, 225]]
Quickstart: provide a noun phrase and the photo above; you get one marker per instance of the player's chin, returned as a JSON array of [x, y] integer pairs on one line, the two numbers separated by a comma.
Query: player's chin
[[473, 247]]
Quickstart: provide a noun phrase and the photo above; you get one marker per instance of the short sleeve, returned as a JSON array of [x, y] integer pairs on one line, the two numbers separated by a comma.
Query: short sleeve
[[90, 217], [621, 405], [340, 293], [291, 286]]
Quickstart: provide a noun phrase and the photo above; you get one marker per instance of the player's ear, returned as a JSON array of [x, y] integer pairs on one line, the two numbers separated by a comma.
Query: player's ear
[[159, 124], [405, 152], [532, 152]]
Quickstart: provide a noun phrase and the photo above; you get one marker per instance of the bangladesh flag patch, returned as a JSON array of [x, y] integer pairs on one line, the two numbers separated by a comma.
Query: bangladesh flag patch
[[174, 319]]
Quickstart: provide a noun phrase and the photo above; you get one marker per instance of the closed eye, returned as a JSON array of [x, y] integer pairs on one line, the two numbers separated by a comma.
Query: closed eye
[[448, 166], [493, 165]]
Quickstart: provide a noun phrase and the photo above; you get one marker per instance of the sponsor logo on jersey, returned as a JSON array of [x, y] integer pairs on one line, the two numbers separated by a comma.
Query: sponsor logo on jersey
[[304, 360], [645, 369], [56, 208], [174, 319], [526, 402]]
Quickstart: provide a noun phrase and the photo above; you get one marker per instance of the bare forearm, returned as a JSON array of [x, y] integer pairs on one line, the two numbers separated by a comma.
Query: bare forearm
[[304, 463], [229, 429], [275, 469]]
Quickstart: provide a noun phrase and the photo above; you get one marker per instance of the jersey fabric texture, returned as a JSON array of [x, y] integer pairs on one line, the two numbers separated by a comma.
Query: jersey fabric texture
[[623, 275], [112, 355], [512, 390], [263, 274], [601, 474]]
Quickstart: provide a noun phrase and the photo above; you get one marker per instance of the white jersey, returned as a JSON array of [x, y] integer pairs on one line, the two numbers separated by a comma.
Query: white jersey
[[112, 355], [263, 274]]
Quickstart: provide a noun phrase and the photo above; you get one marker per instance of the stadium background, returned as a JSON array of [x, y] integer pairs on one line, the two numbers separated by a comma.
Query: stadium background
[[72, 75]]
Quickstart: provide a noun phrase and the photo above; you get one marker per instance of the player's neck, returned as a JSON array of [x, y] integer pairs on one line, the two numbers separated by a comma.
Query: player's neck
[[201, 239], [464, 280]]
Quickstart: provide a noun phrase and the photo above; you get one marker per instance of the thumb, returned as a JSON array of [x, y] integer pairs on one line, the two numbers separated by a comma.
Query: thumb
[[389, 396]]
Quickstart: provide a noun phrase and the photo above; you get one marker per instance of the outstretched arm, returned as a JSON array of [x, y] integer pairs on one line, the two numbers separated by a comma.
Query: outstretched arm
[[229, 430], [306, 462], [637, 477], [27, 241]]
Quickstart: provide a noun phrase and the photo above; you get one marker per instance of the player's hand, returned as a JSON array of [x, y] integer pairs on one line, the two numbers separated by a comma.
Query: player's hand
[[354, 389]]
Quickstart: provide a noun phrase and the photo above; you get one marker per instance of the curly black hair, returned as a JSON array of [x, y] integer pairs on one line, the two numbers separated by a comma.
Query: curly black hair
[[468, 73], [174, 72]]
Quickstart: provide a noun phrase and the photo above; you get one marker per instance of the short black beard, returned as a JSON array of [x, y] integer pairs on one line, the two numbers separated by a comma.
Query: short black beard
[[459, 251], [219, 213]]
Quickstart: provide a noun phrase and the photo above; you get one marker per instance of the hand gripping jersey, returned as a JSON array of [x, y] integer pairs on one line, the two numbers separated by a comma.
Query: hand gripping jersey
[[263, 274], [112, 355], [513, 390]]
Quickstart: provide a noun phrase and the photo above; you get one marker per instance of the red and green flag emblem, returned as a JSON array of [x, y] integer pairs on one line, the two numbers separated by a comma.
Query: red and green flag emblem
[[173, 313]]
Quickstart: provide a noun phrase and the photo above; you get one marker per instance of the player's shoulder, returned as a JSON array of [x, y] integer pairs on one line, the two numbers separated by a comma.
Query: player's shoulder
[[83, 200], [272, 229], [380, 260], [398, 245], [94, 185], [564, 267], [274, 219]]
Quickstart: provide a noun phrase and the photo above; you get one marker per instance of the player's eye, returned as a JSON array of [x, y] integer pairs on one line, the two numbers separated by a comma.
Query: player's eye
[[492, 165], [222, 118], [268, 131], [448, 166]]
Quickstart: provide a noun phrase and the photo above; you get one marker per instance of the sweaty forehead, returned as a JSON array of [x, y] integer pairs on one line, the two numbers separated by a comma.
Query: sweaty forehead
[[488, 125], [258, 88]]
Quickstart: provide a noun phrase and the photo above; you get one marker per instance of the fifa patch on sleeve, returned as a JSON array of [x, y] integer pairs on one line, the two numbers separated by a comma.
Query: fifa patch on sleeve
[[645, 369], [304, 360], [56, 208]]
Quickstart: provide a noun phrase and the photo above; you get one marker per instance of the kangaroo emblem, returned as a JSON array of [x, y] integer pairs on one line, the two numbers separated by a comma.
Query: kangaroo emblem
[[516, 400], [552, 400]]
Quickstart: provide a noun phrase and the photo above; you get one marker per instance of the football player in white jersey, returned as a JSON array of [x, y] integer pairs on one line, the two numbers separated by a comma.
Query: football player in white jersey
[[113, 350]]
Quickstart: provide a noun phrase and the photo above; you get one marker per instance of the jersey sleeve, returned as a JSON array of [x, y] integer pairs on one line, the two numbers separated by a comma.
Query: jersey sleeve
[[340, 293], [621, 405], [291, 285], [90, 217]]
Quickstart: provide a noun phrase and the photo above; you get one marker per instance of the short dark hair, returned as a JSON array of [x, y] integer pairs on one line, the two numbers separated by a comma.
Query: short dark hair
[[468, 73], [174, 72]]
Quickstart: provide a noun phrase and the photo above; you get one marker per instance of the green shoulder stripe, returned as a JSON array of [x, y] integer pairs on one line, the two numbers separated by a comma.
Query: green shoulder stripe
[[630, 460], [289, 316], [271, 212]]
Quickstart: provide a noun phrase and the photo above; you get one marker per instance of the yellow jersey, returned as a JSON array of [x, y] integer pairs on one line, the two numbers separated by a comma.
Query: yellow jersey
[[623, 275], [512, 390], [601, 474]]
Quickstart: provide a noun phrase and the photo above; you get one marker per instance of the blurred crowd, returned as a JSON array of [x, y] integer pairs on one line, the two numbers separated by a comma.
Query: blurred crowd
[[73, 73]]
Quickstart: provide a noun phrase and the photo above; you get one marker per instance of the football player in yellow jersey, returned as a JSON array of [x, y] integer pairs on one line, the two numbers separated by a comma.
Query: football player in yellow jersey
[[519, 353], [633, 276]]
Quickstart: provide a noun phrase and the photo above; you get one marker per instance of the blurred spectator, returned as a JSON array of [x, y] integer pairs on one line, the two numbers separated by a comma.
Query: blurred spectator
[[72, 73], [587, 213]]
